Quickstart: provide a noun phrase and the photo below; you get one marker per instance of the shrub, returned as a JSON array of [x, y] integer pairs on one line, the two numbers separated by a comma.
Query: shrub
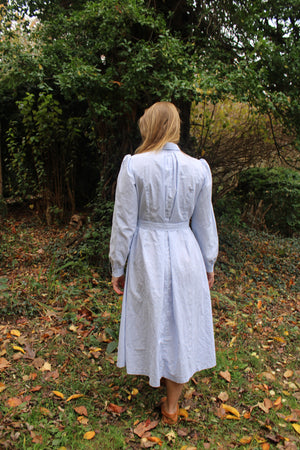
[[271, 199]]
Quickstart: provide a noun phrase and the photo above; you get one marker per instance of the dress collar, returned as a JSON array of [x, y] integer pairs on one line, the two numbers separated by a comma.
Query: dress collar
[[171, 146]]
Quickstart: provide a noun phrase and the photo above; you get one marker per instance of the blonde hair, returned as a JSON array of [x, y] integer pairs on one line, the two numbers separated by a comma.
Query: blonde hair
[[159, 124]]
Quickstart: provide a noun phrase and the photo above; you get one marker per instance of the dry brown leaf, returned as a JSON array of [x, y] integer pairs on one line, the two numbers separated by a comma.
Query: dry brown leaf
[[2, 387], [13, 402], [45, 411], [89, 435], [223, 396], [36, 438], [142, 427], [259, 304], [246, 440], [220, 412], [4, 363], [226, 375], [46, 367], [81, 410], [58, 394], [189, 394], [263, 407], [145, 443], [269, 376], [115, 408], [36, 388], [72, 397], [265, 446], [288, 373]]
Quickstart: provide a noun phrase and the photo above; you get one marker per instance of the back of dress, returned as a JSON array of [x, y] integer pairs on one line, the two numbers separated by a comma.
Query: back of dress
[[166, 325]]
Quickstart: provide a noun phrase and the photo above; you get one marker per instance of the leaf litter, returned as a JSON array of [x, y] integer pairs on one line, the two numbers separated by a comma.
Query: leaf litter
[[254, 389]]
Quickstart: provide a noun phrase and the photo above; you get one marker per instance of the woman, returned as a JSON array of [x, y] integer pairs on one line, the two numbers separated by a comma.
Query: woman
[[166, 329]]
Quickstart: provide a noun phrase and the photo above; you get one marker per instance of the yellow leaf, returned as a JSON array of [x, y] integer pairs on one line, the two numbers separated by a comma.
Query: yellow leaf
[[134, 391], [58, 394], [183, 413], [15, 333], [246, 440], [83, 420], [2, 387], [230, 416], [73, 328], [231, 410], [72, 397], [89, 435], [232, 341], [296, 427], [19, 349], [279, 339]]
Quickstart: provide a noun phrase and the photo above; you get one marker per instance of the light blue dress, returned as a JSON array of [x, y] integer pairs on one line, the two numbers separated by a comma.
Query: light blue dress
[[166, 323]]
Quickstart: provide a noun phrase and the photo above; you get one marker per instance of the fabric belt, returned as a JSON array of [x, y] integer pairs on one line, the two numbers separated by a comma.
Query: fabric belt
[[167, 226]]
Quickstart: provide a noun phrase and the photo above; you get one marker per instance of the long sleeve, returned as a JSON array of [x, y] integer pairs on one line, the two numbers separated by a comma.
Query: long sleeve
[[124, 218], [203, 221]]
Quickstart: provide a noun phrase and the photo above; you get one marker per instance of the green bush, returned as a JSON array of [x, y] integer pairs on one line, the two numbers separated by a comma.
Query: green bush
[[271, 199]]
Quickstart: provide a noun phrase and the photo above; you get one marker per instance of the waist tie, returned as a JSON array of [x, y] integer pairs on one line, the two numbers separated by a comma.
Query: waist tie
[[167, 226]]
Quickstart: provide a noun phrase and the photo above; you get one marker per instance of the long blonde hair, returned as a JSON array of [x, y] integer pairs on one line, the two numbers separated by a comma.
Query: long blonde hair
[[159, 124]]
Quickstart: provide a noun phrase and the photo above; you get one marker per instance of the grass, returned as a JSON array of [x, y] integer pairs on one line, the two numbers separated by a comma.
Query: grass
[[58, 333]]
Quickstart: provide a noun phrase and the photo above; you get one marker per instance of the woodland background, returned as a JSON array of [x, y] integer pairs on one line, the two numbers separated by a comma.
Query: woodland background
[[75, 76]]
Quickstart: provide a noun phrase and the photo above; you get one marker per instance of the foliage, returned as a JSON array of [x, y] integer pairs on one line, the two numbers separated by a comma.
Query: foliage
[[105, 61], [233, 136], [265, 198]]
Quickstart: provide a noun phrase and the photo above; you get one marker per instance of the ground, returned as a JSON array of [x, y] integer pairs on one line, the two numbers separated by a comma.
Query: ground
[[60, 387]]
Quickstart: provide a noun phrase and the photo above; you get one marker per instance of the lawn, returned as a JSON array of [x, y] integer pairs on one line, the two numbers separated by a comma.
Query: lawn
[[59, 384]]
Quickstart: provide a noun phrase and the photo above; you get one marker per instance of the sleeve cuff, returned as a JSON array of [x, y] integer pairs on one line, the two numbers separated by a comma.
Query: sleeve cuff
[[117, 271]]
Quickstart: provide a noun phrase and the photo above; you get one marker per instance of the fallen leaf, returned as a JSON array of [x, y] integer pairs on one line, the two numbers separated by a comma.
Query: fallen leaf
[[15, 333], [226, 375], [296, 427], [36, 388], [89, 435], [2, 387], [36, 438], [4, 363], [13, 402], [288, 373], [19, 349], [223, 396], [72, 397], [58, 394], [259, 303], [38, 362], [81, 410], [134, 391], [269, 376], [83, 420], [171, 436], [277, 402], [142, 427], [155, 439], [145, 443], [246, 440], [115, 409], [183, 413], [263, 407], [45, 411], [231, 410], [189, 394], [73, 328], [46, 367]]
